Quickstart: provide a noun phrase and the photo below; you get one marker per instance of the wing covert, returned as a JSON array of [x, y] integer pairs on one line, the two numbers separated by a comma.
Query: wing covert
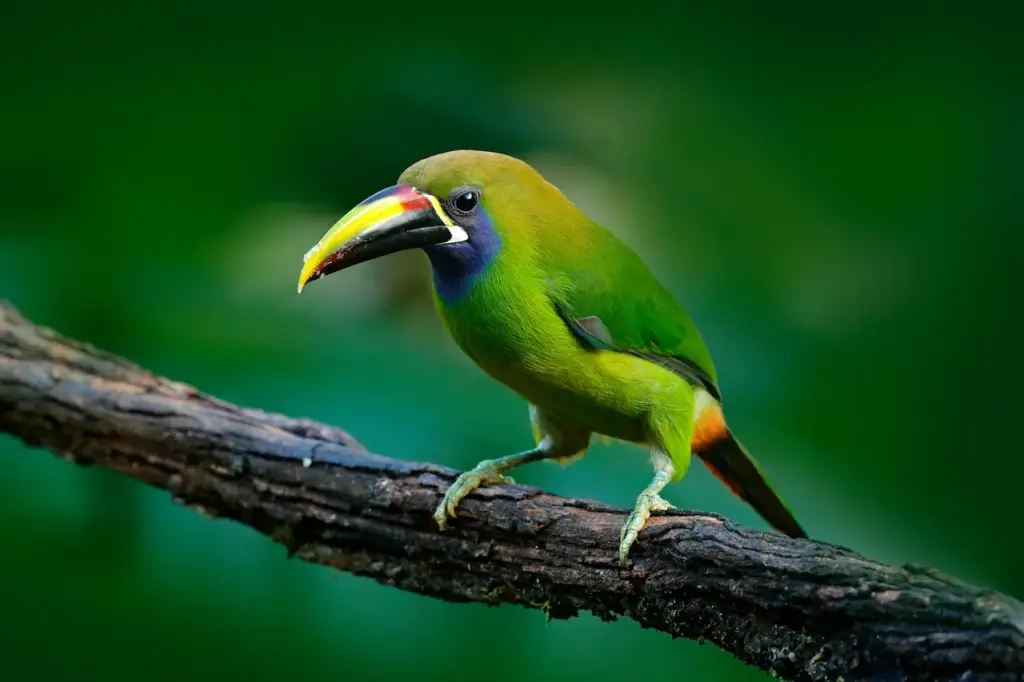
[[593, 330]]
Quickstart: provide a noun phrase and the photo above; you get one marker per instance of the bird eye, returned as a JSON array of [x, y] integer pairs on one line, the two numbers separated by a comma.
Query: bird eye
[[466, 201]]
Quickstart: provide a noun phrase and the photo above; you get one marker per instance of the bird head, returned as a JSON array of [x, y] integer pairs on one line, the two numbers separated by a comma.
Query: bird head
[[445, 204]]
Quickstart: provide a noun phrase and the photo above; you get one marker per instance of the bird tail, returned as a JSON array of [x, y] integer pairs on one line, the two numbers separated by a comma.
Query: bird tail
[[727, 459]]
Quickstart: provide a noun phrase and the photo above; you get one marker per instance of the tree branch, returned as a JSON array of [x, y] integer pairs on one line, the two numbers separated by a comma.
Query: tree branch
[[805, 610]]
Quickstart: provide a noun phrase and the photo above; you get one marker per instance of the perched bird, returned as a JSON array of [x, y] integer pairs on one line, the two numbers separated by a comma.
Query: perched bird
[[561, 311]]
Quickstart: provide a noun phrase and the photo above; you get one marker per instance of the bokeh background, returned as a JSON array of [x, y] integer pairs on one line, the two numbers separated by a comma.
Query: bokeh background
[[833, 194]]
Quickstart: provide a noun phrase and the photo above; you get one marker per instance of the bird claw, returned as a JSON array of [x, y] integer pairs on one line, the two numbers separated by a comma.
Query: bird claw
[[646, 503], [484, 472]]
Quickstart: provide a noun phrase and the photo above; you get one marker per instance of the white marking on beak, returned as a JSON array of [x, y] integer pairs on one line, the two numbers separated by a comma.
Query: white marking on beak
[[458, 235]]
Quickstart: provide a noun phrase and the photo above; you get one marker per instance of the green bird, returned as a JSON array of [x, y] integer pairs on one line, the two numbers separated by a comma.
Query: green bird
[[561, 311]]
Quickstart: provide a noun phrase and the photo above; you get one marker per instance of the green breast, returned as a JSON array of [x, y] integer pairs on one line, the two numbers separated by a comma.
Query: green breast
[[515, 335]]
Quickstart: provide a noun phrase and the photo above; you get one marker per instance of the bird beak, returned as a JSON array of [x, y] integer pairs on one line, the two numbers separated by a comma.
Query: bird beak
[[394, 219]]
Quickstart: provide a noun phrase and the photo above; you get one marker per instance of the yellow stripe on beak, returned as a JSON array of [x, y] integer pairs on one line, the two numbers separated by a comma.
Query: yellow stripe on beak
[[360, 221], [393, 219]]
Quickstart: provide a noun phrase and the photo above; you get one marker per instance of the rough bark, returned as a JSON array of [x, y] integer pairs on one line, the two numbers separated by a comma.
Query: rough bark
[[804, 610]]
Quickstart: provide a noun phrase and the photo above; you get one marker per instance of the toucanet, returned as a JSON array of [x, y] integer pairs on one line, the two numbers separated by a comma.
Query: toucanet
[[562, 312]]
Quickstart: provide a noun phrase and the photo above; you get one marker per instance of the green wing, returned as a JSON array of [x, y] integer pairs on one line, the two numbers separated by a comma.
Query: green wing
[[614, 302], [593, 331]]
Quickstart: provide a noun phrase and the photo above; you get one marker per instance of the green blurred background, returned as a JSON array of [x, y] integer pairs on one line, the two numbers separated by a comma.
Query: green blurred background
[[834, 196]]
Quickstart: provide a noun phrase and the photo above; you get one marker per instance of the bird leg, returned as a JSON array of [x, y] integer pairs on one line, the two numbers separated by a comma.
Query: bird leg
[[649, 500], [487, 471]]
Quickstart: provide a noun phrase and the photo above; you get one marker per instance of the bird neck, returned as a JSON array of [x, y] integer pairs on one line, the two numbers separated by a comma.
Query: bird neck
[[457, 267]]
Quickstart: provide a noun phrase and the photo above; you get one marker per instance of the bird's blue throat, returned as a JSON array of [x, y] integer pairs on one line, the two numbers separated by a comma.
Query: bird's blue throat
[[457, 267]]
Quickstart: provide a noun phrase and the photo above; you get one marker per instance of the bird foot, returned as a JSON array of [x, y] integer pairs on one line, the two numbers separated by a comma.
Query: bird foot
[[487, 471], [646, 503]]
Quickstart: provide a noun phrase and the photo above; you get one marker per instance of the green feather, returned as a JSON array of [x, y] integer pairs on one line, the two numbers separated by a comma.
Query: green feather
[[595, 332], [610, 299]]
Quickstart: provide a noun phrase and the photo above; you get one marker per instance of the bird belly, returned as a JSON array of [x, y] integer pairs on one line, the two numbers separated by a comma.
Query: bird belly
[[599, 403], [539, 358]]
